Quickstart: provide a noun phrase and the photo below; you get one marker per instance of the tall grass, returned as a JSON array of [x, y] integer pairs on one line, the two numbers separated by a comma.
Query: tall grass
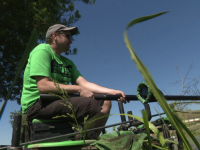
[[176, 122]]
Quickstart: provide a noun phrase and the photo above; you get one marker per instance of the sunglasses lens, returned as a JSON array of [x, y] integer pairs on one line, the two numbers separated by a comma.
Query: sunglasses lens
[[70, 37]]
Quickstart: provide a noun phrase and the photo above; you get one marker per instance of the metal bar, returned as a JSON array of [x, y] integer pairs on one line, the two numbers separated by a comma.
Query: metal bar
[[121, 111], [148, 110], [114, 97], [157, 114], [130, 113], [16, 130], [128, 97], [134, 97], [179, 97]]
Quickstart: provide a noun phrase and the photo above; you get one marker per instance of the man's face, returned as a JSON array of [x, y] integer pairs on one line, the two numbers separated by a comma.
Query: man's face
[[63, 40]]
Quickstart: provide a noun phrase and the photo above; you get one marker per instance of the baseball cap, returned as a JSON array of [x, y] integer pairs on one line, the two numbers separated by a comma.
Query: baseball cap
[[60, 27]]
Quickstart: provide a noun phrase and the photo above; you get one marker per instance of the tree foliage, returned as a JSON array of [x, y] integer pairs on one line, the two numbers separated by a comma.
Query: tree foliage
[[12, 115], [17, 19]]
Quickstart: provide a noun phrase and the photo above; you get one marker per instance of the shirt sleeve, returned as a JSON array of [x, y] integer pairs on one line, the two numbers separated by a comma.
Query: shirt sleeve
[[40, 63], [75, 73]]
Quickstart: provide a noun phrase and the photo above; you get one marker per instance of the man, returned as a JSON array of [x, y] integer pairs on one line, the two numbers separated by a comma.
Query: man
[[46, 65]]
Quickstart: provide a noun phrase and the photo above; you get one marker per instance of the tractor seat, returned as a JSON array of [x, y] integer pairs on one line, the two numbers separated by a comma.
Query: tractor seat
[[49, 128]]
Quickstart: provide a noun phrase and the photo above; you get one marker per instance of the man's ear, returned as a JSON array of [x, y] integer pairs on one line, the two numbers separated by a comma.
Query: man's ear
[[54, 35]]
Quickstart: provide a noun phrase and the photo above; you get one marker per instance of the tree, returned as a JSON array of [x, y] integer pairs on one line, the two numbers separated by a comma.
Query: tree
[[12, 115], [189, 86], [17, 20]]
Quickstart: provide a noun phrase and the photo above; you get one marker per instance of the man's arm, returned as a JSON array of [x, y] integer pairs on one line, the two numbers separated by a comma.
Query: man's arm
[[85, 88], [45, 85], [96, 89]]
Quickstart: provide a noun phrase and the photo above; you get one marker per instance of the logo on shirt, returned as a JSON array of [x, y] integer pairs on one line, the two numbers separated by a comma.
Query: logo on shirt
[[61, 69]]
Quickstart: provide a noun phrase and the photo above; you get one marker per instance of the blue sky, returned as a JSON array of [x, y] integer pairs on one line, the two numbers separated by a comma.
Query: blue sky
[[162, 43]]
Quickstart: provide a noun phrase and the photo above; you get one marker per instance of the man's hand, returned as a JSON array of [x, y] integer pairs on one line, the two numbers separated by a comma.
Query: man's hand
[[85, 92], [117, 92]]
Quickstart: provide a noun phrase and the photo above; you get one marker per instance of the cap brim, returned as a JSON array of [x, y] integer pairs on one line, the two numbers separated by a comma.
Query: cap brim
[[73, 30]]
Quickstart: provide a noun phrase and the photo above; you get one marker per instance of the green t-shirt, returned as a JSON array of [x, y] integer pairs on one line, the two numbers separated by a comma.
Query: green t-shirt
[[44, 62]]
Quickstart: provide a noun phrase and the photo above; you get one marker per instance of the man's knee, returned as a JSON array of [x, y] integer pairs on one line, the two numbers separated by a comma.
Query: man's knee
[[108, 103], [106, 107]]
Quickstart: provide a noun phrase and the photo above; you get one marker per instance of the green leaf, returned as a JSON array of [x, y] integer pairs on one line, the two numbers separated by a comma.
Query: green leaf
[[141, 19], [146, 125], [56, 95], [170, 141], [71, 6], [188, 132], [63, 104], [151, 126], [86, 118], [158, 147]]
